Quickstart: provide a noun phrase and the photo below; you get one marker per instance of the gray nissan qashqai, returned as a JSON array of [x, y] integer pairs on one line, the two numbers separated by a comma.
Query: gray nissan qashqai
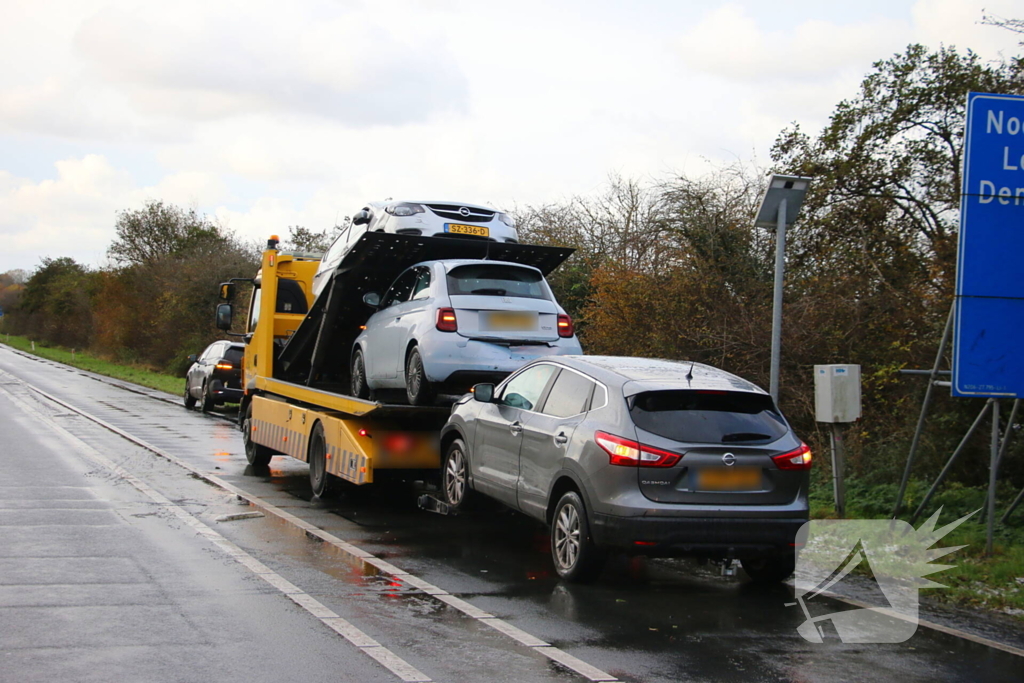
[[647, 457]]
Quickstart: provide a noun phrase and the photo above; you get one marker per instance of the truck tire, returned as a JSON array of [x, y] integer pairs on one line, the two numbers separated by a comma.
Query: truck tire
[[577, 559], [359, 387], [418, 388], [258, 456], [319, 479]]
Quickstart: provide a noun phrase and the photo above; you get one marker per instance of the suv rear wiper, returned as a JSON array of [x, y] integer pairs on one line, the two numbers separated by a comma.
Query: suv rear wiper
[[744, 436]]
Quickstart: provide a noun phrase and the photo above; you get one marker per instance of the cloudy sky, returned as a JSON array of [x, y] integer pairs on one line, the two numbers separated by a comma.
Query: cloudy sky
[[269, 114]]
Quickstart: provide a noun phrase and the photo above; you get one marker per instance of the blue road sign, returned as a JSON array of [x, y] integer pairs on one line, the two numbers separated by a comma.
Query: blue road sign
[[988, 352]]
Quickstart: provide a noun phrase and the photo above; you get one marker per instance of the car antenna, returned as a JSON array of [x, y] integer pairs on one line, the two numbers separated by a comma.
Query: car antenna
[[689, 373]]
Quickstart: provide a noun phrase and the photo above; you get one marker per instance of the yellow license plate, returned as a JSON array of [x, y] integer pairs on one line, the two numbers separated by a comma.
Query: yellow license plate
[[460, 229], [729, 479], [511, 320]]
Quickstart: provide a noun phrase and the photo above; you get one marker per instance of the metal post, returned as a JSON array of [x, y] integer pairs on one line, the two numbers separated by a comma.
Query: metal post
[[838, 466], [993, 469], [1002, 449], [924, 413], [1013, 506], [952, 459], [780, 269]]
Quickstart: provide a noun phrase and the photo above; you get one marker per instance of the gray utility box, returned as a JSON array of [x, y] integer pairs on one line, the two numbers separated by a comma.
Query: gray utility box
[[836, 393]]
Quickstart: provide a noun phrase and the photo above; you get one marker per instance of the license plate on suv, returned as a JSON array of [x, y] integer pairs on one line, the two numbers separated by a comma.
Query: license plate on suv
[[729, 479], [460, 229], [510, 320]]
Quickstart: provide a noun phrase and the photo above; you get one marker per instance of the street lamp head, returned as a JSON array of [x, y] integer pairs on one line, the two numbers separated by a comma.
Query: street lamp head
[[787, 190]]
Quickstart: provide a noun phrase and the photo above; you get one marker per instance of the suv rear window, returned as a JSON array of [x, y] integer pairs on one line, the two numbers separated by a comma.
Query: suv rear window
[[234, 354], [496, 280], [719, 417]]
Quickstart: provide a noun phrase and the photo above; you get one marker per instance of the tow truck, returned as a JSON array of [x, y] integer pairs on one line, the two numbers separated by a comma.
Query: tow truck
[[296, 365]]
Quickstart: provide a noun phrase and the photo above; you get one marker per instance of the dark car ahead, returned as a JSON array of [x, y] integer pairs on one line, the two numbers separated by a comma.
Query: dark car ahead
[[643, 456], [215, 376]]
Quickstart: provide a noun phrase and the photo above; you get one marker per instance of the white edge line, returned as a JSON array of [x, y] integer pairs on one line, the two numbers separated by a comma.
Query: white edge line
[[457, 603], [461, 605], [385, 657]]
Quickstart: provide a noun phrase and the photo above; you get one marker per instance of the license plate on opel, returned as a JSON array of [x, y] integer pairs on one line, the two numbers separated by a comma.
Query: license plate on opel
[[461, 229]]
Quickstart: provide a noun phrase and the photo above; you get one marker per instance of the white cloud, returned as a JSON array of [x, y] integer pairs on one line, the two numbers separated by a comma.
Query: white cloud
[[200, 61], [728, 42], [267, 114], [958, 23]]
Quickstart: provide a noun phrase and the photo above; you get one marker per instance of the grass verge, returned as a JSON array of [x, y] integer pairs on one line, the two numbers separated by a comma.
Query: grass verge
[[977, 580], [85, 361]]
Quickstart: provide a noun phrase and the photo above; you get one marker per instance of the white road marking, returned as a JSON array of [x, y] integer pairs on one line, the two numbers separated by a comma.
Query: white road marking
[[354, 551], [395, 664], [563, 658]]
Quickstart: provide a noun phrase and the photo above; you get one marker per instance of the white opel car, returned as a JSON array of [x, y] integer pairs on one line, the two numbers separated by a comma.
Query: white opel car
[[444, 326], [432, 219]]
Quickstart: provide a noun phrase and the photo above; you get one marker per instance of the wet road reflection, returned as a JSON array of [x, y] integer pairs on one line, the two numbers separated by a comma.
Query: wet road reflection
[[643, 620]]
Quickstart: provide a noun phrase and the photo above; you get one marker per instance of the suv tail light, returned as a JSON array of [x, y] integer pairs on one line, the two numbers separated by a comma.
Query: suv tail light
[[225, 365], [446, 321], [799, 459], [632, 454], [565, 328]]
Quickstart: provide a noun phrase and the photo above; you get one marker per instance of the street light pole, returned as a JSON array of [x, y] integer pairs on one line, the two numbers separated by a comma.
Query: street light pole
[[779, 208], [780, 272]]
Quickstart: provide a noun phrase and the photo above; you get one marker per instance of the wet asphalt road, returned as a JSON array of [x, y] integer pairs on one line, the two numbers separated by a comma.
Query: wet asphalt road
[[189, 613]]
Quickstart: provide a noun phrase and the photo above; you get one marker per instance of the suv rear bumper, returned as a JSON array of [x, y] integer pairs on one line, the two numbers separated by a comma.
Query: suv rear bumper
[[222, 392], [713, 537]]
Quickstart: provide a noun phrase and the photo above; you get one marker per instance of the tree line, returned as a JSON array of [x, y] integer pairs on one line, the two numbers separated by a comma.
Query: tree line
[[669, 267]]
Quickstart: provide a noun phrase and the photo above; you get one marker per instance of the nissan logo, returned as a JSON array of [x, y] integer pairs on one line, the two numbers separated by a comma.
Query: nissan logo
[[729, 459], [464, 212]]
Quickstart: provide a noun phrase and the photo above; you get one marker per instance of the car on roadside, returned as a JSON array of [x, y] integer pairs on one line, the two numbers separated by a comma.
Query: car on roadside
[[635, 455], [444, 326], [427, 218], [215, 376]]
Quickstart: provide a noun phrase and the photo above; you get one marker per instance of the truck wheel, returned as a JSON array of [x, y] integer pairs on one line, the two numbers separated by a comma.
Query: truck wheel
[[190, 400], [258, 456], [455, 476], [318, 476], [208, 401], [769, 569], [576, 557], [418, 388], [359, 386]]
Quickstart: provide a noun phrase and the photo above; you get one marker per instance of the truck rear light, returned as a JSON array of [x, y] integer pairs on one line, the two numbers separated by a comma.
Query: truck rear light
[[565, 328], [446, 321], [225, 366], [799, 459], [627, 453]]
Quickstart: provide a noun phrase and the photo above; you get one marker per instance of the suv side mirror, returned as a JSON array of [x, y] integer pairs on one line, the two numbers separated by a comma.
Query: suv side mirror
[[224, 315], [362, 217], [193, 358], [483, 393], [372, 299]]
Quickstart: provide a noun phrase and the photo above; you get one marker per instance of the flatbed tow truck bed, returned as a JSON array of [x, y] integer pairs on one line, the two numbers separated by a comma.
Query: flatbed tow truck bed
[[295, 361]]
